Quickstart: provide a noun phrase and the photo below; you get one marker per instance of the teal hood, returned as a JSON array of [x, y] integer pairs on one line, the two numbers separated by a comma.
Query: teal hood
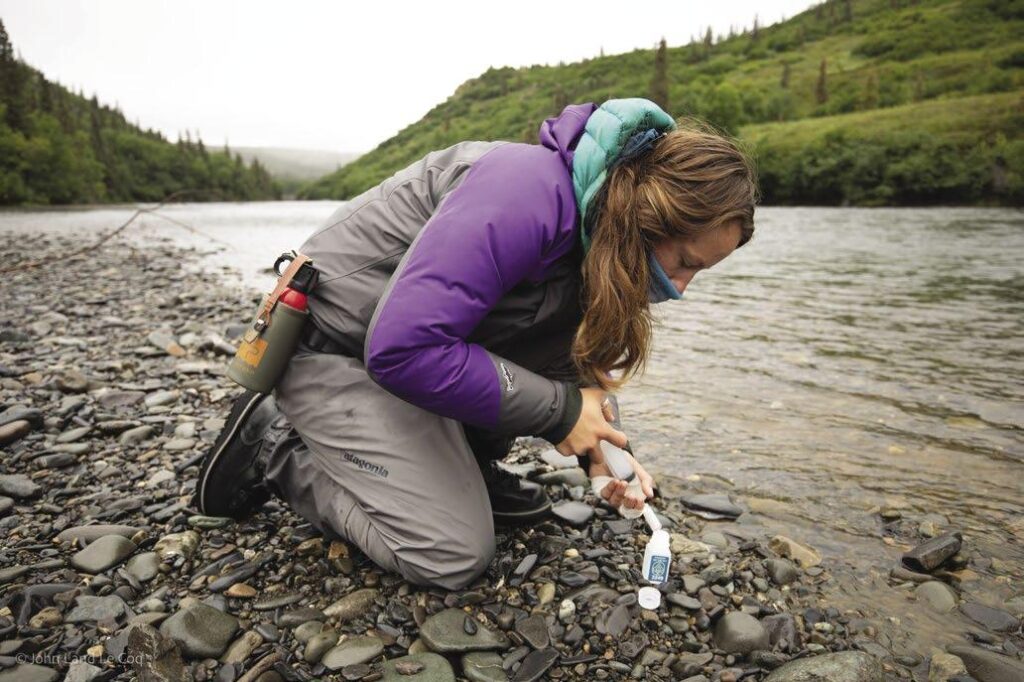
[[606, 133]]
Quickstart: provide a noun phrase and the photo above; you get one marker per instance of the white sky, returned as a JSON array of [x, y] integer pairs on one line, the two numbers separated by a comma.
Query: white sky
[[330, 75]]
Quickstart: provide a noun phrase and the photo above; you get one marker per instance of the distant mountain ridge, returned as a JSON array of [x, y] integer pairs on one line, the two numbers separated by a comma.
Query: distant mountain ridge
[[295, 163]]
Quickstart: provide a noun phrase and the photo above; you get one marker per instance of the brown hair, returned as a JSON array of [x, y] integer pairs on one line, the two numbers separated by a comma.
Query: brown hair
[[693, 180]]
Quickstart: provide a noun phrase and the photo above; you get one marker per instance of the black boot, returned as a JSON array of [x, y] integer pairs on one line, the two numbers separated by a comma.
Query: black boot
[[513, 501], [231, 482]]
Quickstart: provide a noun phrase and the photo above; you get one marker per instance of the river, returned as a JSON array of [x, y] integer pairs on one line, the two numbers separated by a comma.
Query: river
[[846, 360]]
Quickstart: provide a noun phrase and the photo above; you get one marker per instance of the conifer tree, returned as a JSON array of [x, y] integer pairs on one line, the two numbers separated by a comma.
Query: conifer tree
[[784, 81], [659, 82], [821, 89]]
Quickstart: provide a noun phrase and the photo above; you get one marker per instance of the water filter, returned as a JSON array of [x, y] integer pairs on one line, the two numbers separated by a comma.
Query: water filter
[[621, 466]]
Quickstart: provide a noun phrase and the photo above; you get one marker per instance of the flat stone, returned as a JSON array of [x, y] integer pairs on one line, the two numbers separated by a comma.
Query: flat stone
[[103, 553], [781, 571], [305, 632], [143, 567], [159, 398], [181, 544], [943, 666], [481, 666], [276, 601], [353, 651], [535, 665], [19, 486], [80, 671], [938, 596], [788, 548], [6, 505], [844, 666], [534, 630], [88, 609], [988, 666], [293, 617], [715, 503], [613, 621], [573, 512], [680, 544], [318, 645], [136, 435], [92, 533], [683, 600], [740, 633], [202, 631], [155, 658], [14, 431], [570, 477], [445, 632], [240, 649], [72, 435], [352, 605], [113, 398], [29, 672], [993, 619], [428, 667]]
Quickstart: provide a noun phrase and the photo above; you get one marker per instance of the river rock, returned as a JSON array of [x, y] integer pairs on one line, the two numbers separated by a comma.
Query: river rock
[[352, 605], [103, 553], [536, 664], [483, 666], [19, 486], [781, 571], [534, 629], [14, 431], [680, 544], [29, 672], [944, 666], [202, 631], [240, 649], [181, 544], [153, 657], [988, 666], [136, 435], [713, 505], [445, 633], [80, 671], [740, 633], [844, 666], [788, 548], [994, 619], [430, 667], [143, 567], [939, 597], [92, 533], [318, 644], [88, 608], [352, 651], [573, 512]]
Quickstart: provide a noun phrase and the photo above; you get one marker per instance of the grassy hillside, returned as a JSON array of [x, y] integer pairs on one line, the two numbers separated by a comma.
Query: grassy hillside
[[836, 79], [58, 147]]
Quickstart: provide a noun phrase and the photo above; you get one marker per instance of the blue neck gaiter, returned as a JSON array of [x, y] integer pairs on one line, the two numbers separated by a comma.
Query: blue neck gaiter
[[660, 288]]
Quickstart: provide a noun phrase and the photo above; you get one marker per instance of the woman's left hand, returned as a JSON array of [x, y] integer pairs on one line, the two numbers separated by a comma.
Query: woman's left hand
[[615, 491]]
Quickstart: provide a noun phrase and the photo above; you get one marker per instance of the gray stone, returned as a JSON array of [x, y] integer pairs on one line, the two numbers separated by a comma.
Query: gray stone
[[202, 631], [435, 668], [570, 477], [683, 600], [938, 596], [103, 553], [144, 567], [89, 608], [715, 539], [6, 505], [181, 544], [536, 664], [305, 632], [19, 486], [161, 398], [240, 649], [136, 435], [352, 605], [155, 658], [994, 619], [573, 512], [95, 532], [14, 431], [944, 666], [482, 666], [740, 633], [845, 666], [29, 672], [692, 583], [444, 633], [987, 666], [360, 649], [318, 645], [781, 571], [80, 671], [717, 504], [534, 630], [113, 399]]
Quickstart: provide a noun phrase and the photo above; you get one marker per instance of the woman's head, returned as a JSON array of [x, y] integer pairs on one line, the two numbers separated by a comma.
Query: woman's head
[[689, 201]]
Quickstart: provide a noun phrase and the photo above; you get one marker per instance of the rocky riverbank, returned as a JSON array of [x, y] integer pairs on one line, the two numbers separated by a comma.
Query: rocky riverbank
[[112, 386]]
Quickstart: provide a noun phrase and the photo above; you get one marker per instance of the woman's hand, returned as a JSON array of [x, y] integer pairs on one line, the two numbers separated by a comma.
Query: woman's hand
[[615, 491], [591, 428]]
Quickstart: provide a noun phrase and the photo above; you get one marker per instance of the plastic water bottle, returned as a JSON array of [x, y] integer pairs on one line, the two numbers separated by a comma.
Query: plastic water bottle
[[621, 466]]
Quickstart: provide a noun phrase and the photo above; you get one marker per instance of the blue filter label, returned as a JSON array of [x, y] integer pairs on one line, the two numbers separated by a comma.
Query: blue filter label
[[659, 569]]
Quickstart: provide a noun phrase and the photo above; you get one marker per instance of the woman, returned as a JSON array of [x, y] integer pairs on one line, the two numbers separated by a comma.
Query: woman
[[485, 292]]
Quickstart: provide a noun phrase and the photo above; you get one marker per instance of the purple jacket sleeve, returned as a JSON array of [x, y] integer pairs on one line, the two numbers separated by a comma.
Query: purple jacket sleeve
[[511, 217]]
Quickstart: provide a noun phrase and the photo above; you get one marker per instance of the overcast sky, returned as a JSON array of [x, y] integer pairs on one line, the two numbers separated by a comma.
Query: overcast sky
[[329, 75]]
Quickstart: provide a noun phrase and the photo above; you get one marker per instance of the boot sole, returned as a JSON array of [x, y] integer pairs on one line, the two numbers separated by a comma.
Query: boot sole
[[521, 518], [239, 413]]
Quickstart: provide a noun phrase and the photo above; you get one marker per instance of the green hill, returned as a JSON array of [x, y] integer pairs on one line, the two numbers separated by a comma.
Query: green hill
[[850, 102], [57, 147]]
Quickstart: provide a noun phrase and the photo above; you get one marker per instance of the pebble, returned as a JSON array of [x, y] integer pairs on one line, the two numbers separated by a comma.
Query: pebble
[[202, 631], [993, 619], [352, 605], [483, 666], [319, 644], [444, 633], [88, 608], [845, 666], [19, 486], [781, 571], [943, 666], [788, 548], [739, 633], [939, 597], [425, 667], [103, 553], [574, 513], [353, 651]]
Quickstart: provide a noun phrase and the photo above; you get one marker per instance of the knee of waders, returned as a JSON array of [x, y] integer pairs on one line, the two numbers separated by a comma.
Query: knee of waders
[[453, 566]]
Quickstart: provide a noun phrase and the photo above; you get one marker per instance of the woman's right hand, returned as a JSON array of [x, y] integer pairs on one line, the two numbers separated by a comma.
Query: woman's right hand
[[591, 428]]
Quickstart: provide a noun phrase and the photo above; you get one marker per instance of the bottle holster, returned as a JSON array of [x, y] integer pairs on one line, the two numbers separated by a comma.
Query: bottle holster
[[270, 340]]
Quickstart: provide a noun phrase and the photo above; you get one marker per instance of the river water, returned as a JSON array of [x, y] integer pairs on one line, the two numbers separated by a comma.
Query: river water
[[845, 360]]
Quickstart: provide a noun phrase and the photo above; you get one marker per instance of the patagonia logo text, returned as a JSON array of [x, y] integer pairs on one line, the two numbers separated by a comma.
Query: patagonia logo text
[[509, 377], [374, 469]]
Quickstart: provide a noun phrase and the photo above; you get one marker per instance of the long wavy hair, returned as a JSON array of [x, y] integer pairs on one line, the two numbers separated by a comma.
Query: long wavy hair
[[693, 180]]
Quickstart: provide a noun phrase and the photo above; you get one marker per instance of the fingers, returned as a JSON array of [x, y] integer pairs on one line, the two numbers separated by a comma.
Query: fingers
[[616, 437], [606, 410], [614, 492]]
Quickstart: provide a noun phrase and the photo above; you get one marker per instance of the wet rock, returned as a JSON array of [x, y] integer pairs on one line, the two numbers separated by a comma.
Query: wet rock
[[177, 545], [684, 600], [29, 672], [88, 608], [352, 651], [739, 633], [939, 597], [781, 572], [944, 666], [988, 666], [155, 658], [202, 631], [352, 605], [534, 630], [535, 665], [14, 431], [929, 555], [239, 650], [993, 619], [165, 342], [788, 548], [428, 667], [318, 645], [573, 513], [679, 544], [483, 666], [143, 567], [80, 671], [713, 506], [613, 621], [87, 534], [845, 666], [19, 486], [103, 553], [444, 633]]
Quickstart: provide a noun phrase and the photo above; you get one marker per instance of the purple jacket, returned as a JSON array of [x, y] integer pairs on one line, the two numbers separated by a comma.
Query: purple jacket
[[469, 251]]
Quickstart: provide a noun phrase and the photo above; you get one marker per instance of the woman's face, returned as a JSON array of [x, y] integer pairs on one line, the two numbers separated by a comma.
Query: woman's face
[[683, 257]]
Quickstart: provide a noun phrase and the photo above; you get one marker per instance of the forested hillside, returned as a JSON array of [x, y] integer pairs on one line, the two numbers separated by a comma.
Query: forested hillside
[[850, 102], [58, 147]]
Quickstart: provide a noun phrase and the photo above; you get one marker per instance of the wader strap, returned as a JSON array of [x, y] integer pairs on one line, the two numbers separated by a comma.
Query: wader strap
[[282, 283]]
